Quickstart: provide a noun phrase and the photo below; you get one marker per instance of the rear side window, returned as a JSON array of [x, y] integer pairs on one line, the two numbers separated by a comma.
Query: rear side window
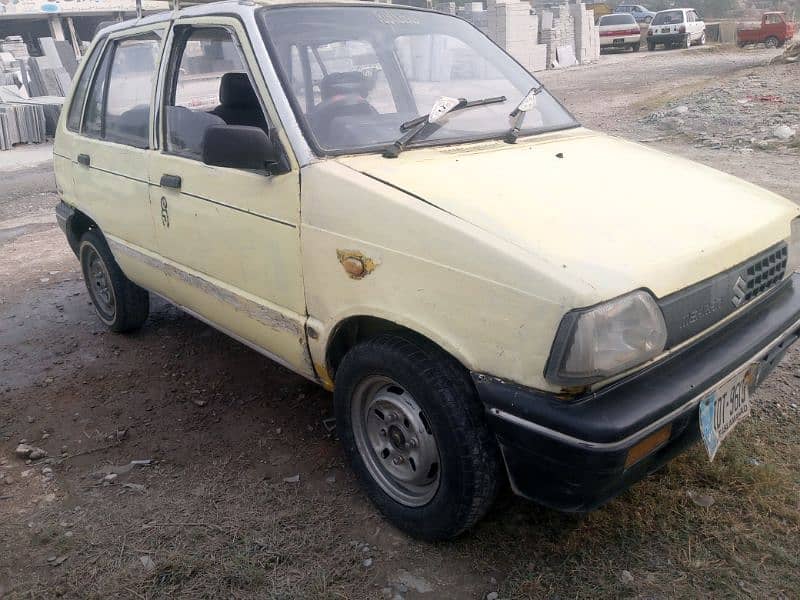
[[79, 96], [118, 108], [626, 19], [133, 72]]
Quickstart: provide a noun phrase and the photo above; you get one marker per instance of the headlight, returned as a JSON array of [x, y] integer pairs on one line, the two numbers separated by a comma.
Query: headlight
[[598, 342], [793, 262]]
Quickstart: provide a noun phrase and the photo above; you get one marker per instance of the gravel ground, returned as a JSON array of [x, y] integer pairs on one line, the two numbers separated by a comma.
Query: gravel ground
[[219, 509]]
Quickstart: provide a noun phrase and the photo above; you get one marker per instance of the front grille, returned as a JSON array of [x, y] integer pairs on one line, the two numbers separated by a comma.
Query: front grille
[[696, 308], [765, 271]]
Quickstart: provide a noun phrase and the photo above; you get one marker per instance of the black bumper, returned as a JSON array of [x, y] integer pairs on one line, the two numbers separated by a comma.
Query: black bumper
[[571, 455], [668, 38], [64, 215]]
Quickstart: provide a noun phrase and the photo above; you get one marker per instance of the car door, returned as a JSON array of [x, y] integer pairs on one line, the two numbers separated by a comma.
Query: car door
[[111, 152], [228, 238]]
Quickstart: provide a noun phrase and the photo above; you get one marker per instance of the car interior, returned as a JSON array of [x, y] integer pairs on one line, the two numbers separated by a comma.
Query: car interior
[[238, 105]]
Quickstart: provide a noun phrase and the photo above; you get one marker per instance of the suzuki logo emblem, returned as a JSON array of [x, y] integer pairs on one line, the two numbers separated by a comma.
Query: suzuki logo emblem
[[739, 291]]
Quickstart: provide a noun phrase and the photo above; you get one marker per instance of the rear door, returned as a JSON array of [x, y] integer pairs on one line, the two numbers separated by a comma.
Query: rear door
[[111, 156], [228, 238]]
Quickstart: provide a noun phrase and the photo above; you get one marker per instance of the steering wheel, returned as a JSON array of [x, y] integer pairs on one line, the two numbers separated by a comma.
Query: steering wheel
[[340, 105]]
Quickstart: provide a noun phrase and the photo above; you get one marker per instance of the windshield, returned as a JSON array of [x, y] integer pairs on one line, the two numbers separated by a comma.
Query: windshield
[[668, 17], [355, 74], [626, 19]]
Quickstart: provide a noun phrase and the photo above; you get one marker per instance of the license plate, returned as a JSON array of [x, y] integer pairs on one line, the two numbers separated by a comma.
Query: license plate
[[665, 30], [722, 408], [619, 41]]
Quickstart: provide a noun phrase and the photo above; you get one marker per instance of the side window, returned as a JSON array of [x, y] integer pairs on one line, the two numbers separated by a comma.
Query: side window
[[130, 88], [210, 86], [118, 108], [93, 117], [79, 96], [690, 17]]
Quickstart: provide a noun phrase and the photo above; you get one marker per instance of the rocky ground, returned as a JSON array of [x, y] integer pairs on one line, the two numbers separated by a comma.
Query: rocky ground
[[177, 463]]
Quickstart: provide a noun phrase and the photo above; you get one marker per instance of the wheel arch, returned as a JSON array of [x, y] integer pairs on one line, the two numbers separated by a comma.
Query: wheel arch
[[353, 329], [77, 224]]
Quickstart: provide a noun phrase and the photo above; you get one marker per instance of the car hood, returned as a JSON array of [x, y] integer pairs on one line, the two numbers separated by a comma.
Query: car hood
[[612, 213]]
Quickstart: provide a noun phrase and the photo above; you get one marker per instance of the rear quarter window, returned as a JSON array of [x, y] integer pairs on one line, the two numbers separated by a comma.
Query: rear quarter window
[[79, 95]]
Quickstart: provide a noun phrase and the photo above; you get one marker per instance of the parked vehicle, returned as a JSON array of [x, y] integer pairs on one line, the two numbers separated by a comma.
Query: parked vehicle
[[676, 27], [773, 31], [619, 31], [639, 12], [480, 296]]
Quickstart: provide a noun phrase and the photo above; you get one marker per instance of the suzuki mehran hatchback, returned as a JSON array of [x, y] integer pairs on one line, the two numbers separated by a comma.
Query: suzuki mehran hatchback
[[382, 200]]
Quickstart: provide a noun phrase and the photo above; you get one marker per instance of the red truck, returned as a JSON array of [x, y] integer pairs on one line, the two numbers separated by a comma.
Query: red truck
[[773, 31]]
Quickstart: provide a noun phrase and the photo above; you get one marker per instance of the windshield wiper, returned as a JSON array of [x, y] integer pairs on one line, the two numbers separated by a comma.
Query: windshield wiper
[[440, 108], [517, 115]]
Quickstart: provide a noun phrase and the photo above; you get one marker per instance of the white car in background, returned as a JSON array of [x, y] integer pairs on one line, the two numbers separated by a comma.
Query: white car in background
[[676, 27], [619, 30]]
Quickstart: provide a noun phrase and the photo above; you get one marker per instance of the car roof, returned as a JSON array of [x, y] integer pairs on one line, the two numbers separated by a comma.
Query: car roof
[[200, 8], [673, 9]]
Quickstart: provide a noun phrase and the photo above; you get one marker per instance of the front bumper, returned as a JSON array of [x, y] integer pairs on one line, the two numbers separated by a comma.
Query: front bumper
[[571, 455]]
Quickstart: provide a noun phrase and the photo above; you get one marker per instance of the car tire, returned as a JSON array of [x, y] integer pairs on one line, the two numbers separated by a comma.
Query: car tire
[[635, 47], [651, 46], [416, 435], [702, 40], [771, 42], [687, 43], [119, 303]]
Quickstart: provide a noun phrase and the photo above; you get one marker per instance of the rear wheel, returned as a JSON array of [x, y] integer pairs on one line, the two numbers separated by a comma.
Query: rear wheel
[[119, 303], [635, 47], [687, 43], [651, 46], [416, 436], [771, 42], [702, 40]]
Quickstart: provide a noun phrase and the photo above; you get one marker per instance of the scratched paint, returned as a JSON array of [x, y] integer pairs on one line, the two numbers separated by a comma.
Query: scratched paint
[[263, 314]]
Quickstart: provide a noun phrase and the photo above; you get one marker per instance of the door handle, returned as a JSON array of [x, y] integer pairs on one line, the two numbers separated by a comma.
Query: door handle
[[171, 181], [84, 159]]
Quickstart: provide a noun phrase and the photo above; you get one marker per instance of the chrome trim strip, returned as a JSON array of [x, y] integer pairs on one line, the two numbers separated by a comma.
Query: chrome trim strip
[[634, 437]]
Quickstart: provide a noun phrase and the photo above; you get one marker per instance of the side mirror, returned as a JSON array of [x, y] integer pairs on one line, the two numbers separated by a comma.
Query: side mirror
[[241, 147]]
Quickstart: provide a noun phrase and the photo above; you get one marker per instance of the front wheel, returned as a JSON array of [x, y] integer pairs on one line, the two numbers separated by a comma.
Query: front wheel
[[687, 43], [771, 42], [635, 47], [702, 40], [416, 436], [119, 303], [651, 46]]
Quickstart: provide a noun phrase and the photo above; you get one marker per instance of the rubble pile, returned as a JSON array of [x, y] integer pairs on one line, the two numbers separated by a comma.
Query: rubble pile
[[755, 112], [790, 55]]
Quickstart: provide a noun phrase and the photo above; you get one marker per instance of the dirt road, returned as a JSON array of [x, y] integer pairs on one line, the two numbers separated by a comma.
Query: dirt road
[[216, 510]]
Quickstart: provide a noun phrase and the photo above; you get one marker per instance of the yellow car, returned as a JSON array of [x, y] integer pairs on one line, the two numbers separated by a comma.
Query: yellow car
[[382, 200]]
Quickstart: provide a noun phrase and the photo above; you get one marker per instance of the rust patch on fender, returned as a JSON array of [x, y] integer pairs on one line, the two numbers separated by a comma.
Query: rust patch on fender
[[356, 264]]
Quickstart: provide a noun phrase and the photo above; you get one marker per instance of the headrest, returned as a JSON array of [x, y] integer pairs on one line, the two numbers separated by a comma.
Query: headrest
[[348, 82], [235, 91]]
